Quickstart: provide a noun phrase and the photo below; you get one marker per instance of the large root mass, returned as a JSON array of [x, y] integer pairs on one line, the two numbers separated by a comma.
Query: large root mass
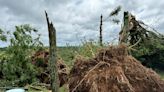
[[113, 70], [40, 59]]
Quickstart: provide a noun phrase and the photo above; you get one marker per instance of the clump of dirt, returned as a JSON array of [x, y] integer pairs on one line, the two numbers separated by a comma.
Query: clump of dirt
[[113, 70], [40, 60]]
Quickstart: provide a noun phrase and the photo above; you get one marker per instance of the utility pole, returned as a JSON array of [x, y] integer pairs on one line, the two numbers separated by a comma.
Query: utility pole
[[53, 56]]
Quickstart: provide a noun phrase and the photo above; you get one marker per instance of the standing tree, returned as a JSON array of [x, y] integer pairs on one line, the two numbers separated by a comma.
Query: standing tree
[[53, 56]]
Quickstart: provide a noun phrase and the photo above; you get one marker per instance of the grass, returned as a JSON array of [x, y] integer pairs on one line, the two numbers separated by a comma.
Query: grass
[[67, 54]]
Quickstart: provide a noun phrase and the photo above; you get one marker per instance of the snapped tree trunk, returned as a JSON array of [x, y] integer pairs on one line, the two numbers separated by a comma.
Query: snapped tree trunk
[[100, 38], [123, 38], [53, 56]]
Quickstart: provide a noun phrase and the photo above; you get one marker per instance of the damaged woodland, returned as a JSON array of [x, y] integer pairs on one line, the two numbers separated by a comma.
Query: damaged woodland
[[130, 66], [113, 69]]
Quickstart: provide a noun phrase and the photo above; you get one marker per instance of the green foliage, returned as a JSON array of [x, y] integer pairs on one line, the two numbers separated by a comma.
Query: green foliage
[[147, 45], [22, 37], [2, 36], [17, 68], [67, 54], [89, 49], [150, 52]]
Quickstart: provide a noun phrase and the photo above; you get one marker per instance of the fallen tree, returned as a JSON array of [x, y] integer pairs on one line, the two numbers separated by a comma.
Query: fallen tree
[[134, 31], [146, 44], [113, 70]]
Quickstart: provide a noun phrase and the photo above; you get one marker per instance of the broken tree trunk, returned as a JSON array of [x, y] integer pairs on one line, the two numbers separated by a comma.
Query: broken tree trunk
[[53, 56], [134, 31], [123, 34], [101, 42]]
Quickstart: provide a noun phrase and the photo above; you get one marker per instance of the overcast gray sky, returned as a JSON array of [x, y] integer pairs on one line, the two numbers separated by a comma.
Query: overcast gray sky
[[77, 19]]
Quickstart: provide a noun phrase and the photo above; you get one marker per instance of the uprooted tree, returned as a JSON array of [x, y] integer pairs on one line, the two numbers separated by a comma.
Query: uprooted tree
[[135, 32], [145, 41], [113, 70]]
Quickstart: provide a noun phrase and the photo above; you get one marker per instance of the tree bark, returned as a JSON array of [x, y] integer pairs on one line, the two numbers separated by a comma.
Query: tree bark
[[123, 38], [53, 56], [100, 38]]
